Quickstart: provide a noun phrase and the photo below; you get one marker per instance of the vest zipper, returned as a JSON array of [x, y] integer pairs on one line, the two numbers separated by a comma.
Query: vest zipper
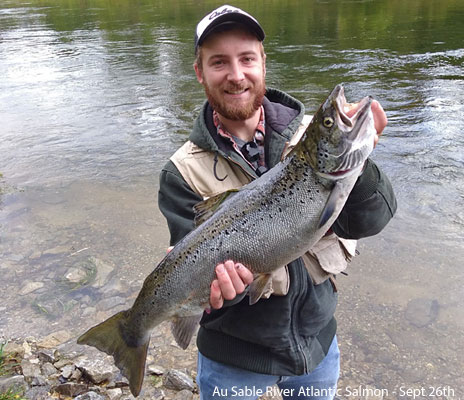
[[295, 325]]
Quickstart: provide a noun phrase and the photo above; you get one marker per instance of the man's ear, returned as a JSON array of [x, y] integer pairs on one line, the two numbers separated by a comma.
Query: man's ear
[[198, 73], [264, 65]]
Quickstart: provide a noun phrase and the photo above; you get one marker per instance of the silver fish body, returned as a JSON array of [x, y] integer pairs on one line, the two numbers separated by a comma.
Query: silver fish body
[[264, 225]]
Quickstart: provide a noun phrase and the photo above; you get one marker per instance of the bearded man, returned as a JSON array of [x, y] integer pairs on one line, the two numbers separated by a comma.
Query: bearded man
[[288, 338]]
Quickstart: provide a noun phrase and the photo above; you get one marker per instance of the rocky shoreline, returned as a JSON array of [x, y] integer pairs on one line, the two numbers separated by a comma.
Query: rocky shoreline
[[55, 367]]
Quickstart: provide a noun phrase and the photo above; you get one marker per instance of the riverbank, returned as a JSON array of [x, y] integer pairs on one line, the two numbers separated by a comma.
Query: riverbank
[[55, 367]]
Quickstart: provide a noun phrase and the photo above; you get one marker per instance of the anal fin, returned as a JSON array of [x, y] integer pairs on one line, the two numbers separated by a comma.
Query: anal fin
[[183, 329], [260, 284]]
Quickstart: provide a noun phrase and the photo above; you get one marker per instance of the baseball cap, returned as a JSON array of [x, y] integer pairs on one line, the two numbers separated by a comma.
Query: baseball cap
[[222, 15]]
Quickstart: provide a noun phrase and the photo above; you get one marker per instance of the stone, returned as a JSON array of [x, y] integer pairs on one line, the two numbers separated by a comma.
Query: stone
[[14, 349], [184, 395], [48, 370], [108, 304], [38, 393], [30, 287], [155, 370], [29, 369], [178, 380], [422, 312], [47, 355], [89, 311], [38, 380], [97, 370], [54, 339], [90, 396], [70, 389], [114, 394], [103, 272], [75, 275], [56, 250], [67, 371], [7, 382]]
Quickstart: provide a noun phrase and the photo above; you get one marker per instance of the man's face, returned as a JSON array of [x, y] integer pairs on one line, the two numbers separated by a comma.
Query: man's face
[[232, 72]]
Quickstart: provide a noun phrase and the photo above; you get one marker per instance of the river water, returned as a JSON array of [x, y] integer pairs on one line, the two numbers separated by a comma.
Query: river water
[[96, 95]]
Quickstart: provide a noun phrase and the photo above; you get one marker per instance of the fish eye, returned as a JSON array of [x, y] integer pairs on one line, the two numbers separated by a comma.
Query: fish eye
[[328, 122]]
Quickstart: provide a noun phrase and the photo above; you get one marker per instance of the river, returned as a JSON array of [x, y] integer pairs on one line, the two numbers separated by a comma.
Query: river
[[96, 95]]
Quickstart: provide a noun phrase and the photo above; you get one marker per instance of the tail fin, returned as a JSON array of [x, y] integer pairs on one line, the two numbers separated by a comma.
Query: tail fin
[[130, 360]]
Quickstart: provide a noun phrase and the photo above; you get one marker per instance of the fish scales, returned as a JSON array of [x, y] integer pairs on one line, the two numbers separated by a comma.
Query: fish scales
[[265, 225]]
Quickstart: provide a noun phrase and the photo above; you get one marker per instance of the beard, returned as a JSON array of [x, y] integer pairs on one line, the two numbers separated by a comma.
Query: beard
[[231, 111]]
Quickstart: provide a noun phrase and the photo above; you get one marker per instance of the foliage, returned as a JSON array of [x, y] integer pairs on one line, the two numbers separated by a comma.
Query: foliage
[[12, 394]]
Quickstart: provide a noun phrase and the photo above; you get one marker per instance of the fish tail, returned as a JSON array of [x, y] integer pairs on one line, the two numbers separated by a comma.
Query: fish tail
[[109, 338]]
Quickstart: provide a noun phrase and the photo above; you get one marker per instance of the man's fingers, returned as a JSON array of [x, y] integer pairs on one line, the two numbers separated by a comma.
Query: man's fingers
[[215, 298], [245, 274], [232, 279], [237, 282], [225, 280], [380, 118]]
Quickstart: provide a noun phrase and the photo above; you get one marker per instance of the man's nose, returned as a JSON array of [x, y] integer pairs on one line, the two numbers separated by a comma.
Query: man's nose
[[235, 72]]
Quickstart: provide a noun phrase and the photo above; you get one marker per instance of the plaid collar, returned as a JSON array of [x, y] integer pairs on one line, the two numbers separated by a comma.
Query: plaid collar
[[237, 143]]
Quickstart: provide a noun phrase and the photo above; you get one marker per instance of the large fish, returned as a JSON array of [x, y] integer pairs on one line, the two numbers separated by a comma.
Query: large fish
[[264, 225]]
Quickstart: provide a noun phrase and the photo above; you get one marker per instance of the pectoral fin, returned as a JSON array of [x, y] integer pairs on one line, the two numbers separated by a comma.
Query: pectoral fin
[[183, 329], [259, 286], [331, 204], [205, 209]]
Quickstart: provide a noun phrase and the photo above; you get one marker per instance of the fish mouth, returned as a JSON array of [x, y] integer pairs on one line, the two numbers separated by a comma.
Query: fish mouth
[[349, 120]]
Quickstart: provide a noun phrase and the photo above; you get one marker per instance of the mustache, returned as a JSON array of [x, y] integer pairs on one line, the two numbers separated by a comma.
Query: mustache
[[235, 87]]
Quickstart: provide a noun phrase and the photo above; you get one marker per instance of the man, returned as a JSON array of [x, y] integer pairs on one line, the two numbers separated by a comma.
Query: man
[[288, 337]]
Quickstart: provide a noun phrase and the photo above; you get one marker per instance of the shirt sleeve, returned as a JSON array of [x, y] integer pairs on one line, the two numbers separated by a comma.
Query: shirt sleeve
[[176, 200]]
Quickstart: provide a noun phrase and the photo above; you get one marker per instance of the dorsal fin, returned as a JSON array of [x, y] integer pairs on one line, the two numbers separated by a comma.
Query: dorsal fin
[[297, 137], [206, 208]]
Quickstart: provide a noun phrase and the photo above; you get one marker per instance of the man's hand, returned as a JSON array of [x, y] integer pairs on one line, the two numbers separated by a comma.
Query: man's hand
[[380, 118], [232, 279]]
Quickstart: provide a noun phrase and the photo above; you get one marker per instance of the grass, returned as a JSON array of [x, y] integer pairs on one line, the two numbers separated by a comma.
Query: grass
[[2, 358], [12, 394], [6, 366]]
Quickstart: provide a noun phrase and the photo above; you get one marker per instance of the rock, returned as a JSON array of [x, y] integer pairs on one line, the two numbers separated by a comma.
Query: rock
[[30, 287], [38, 380], [178, 380], [7, 382], [422, 312], [108, 304], [155, 370], [89, 311], [97, 370], [14, 349], [30, 369], [149, 394], [38, 393], [90, 396], [47, 355], [27, 349], [70, 389], [54, 339], [55, 251], [48, 370], [67, 371], [184, 395], [103, 272], [75, 275], [114, 394]]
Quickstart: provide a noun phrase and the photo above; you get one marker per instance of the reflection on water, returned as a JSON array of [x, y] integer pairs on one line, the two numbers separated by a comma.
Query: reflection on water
[[95, 97]]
